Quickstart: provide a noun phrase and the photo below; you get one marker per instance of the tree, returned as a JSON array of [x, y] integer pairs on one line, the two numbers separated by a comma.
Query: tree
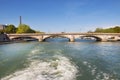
[[23, 28], [98, 30], [115, 29], [1, 32], [10, 29], [39, 32]]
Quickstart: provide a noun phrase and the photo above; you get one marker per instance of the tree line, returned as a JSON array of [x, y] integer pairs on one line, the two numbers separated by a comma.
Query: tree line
[[115, 29], [22, 28]]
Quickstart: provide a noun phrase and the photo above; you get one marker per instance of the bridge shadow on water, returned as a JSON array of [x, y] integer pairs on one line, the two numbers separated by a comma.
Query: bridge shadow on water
[[85, 40], [67, 40], [57, 40]]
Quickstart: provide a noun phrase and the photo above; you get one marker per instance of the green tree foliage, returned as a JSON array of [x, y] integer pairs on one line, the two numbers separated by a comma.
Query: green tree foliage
[[23, 28], [1, 32], [98, 30], [115, 29], [39, 32], [10, 29]]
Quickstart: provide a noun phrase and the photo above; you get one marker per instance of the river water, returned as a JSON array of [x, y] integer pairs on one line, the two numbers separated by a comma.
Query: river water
[[86, 60]]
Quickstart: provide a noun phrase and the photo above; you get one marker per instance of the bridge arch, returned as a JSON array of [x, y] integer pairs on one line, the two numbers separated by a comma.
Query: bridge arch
[[54, 36], [25, 38], [96, 37]]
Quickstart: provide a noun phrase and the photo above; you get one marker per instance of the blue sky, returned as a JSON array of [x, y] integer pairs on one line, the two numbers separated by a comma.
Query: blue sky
[[61, 15]]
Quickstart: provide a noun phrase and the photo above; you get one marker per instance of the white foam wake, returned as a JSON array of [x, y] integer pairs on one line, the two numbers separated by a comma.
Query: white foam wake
[[59, 68], [100, 75]]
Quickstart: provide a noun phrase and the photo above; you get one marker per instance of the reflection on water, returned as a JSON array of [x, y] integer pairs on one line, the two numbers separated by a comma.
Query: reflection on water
[[60, 61], [57, 40], [67, 40]]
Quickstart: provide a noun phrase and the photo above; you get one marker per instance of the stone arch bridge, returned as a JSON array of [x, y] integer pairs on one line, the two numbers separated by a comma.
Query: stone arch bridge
[[70, 36]]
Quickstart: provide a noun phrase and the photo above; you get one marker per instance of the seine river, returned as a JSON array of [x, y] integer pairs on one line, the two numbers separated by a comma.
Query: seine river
[[81, 60]]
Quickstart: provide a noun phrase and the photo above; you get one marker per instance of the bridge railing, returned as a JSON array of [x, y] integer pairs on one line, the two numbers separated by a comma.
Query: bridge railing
[[64, 34]]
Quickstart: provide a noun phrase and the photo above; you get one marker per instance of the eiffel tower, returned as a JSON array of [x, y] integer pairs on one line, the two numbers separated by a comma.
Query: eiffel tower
[[20, 20]]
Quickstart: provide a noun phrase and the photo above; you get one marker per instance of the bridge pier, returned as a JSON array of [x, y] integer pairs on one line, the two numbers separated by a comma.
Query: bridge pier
[[72, 39], [40, 39], [104, 40]]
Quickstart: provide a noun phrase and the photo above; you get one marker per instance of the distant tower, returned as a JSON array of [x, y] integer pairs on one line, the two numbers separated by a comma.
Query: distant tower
[[20, 20]]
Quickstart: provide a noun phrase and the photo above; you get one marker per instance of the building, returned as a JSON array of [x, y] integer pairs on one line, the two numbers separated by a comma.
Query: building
[[2, 27], [4, 38]]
